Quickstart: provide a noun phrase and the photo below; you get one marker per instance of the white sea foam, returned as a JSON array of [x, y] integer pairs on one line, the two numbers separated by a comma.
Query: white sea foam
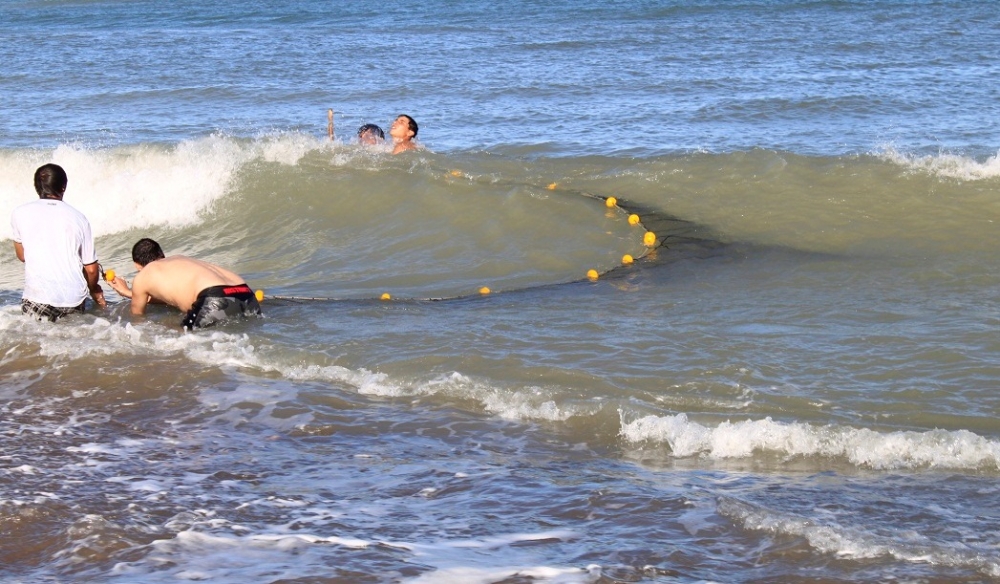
[[88, 337], [946, 165], [959, 449], [214, 548], [220, 348], [135, 187], [454, 562], [521, 403], [858, 543], [65, 340], [130, 187], [103, 337], [469, 575], [287, 148]]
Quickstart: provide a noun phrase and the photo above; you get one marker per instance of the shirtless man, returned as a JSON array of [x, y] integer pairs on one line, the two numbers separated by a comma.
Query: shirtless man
[[403, 132], [208, 293]]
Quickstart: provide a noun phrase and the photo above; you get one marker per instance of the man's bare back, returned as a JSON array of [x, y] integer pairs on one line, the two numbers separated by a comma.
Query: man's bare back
[[177, 280], [208, 293]]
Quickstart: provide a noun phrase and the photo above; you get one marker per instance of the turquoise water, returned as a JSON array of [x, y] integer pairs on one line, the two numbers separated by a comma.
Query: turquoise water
[[797, 381]]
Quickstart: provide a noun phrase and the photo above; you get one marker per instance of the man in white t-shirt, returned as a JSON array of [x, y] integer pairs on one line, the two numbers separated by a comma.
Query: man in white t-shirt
[[56, 245]]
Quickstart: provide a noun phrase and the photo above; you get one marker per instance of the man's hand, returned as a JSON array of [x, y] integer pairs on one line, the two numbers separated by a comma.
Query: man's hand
[[121, 287], [98, 296]]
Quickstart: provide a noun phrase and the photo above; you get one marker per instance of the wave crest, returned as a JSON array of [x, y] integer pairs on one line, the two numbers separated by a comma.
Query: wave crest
[[135, 187], [946, 165], [958, 449]]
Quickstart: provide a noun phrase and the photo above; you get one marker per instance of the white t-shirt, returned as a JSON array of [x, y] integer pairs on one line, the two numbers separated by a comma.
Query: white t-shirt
[[57, 244]]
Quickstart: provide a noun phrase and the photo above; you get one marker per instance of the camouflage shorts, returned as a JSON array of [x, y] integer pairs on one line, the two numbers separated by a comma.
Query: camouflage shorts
[[219, 304]]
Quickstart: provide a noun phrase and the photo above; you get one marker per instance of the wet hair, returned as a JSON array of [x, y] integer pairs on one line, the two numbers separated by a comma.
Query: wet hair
[[411, 123], [373, 129], [50, 181], [146, 250]]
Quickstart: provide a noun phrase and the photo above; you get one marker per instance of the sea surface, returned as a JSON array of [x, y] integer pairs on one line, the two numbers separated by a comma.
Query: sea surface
[[796, 379]]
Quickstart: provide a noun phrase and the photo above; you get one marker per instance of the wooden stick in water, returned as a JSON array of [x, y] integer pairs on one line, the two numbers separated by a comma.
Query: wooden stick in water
[[329, 123]]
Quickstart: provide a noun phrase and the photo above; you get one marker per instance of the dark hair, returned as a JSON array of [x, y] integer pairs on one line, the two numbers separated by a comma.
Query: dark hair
[[411, 123], [50, 181], [371, 128], [146, 250]]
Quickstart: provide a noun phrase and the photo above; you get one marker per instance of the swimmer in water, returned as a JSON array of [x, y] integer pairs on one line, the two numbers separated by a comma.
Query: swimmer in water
[[370, 135], [209, 294], [403, 132]]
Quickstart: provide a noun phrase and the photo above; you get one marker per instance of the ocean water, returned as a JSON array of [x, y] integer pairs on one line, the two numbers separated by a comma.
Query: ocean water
[[796, 380]]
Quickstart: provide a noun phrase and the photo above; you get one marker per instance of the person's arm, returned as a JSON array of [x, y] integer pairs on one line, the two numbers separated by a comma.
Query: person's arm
[[92, 273], [19, 250], [139, 300], [120, 285], [140, 294]]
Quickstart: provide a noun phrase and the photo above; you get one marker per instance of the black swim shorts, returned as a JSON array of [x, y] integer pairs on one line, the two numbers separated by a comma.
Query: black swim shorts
[[221, 303]]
